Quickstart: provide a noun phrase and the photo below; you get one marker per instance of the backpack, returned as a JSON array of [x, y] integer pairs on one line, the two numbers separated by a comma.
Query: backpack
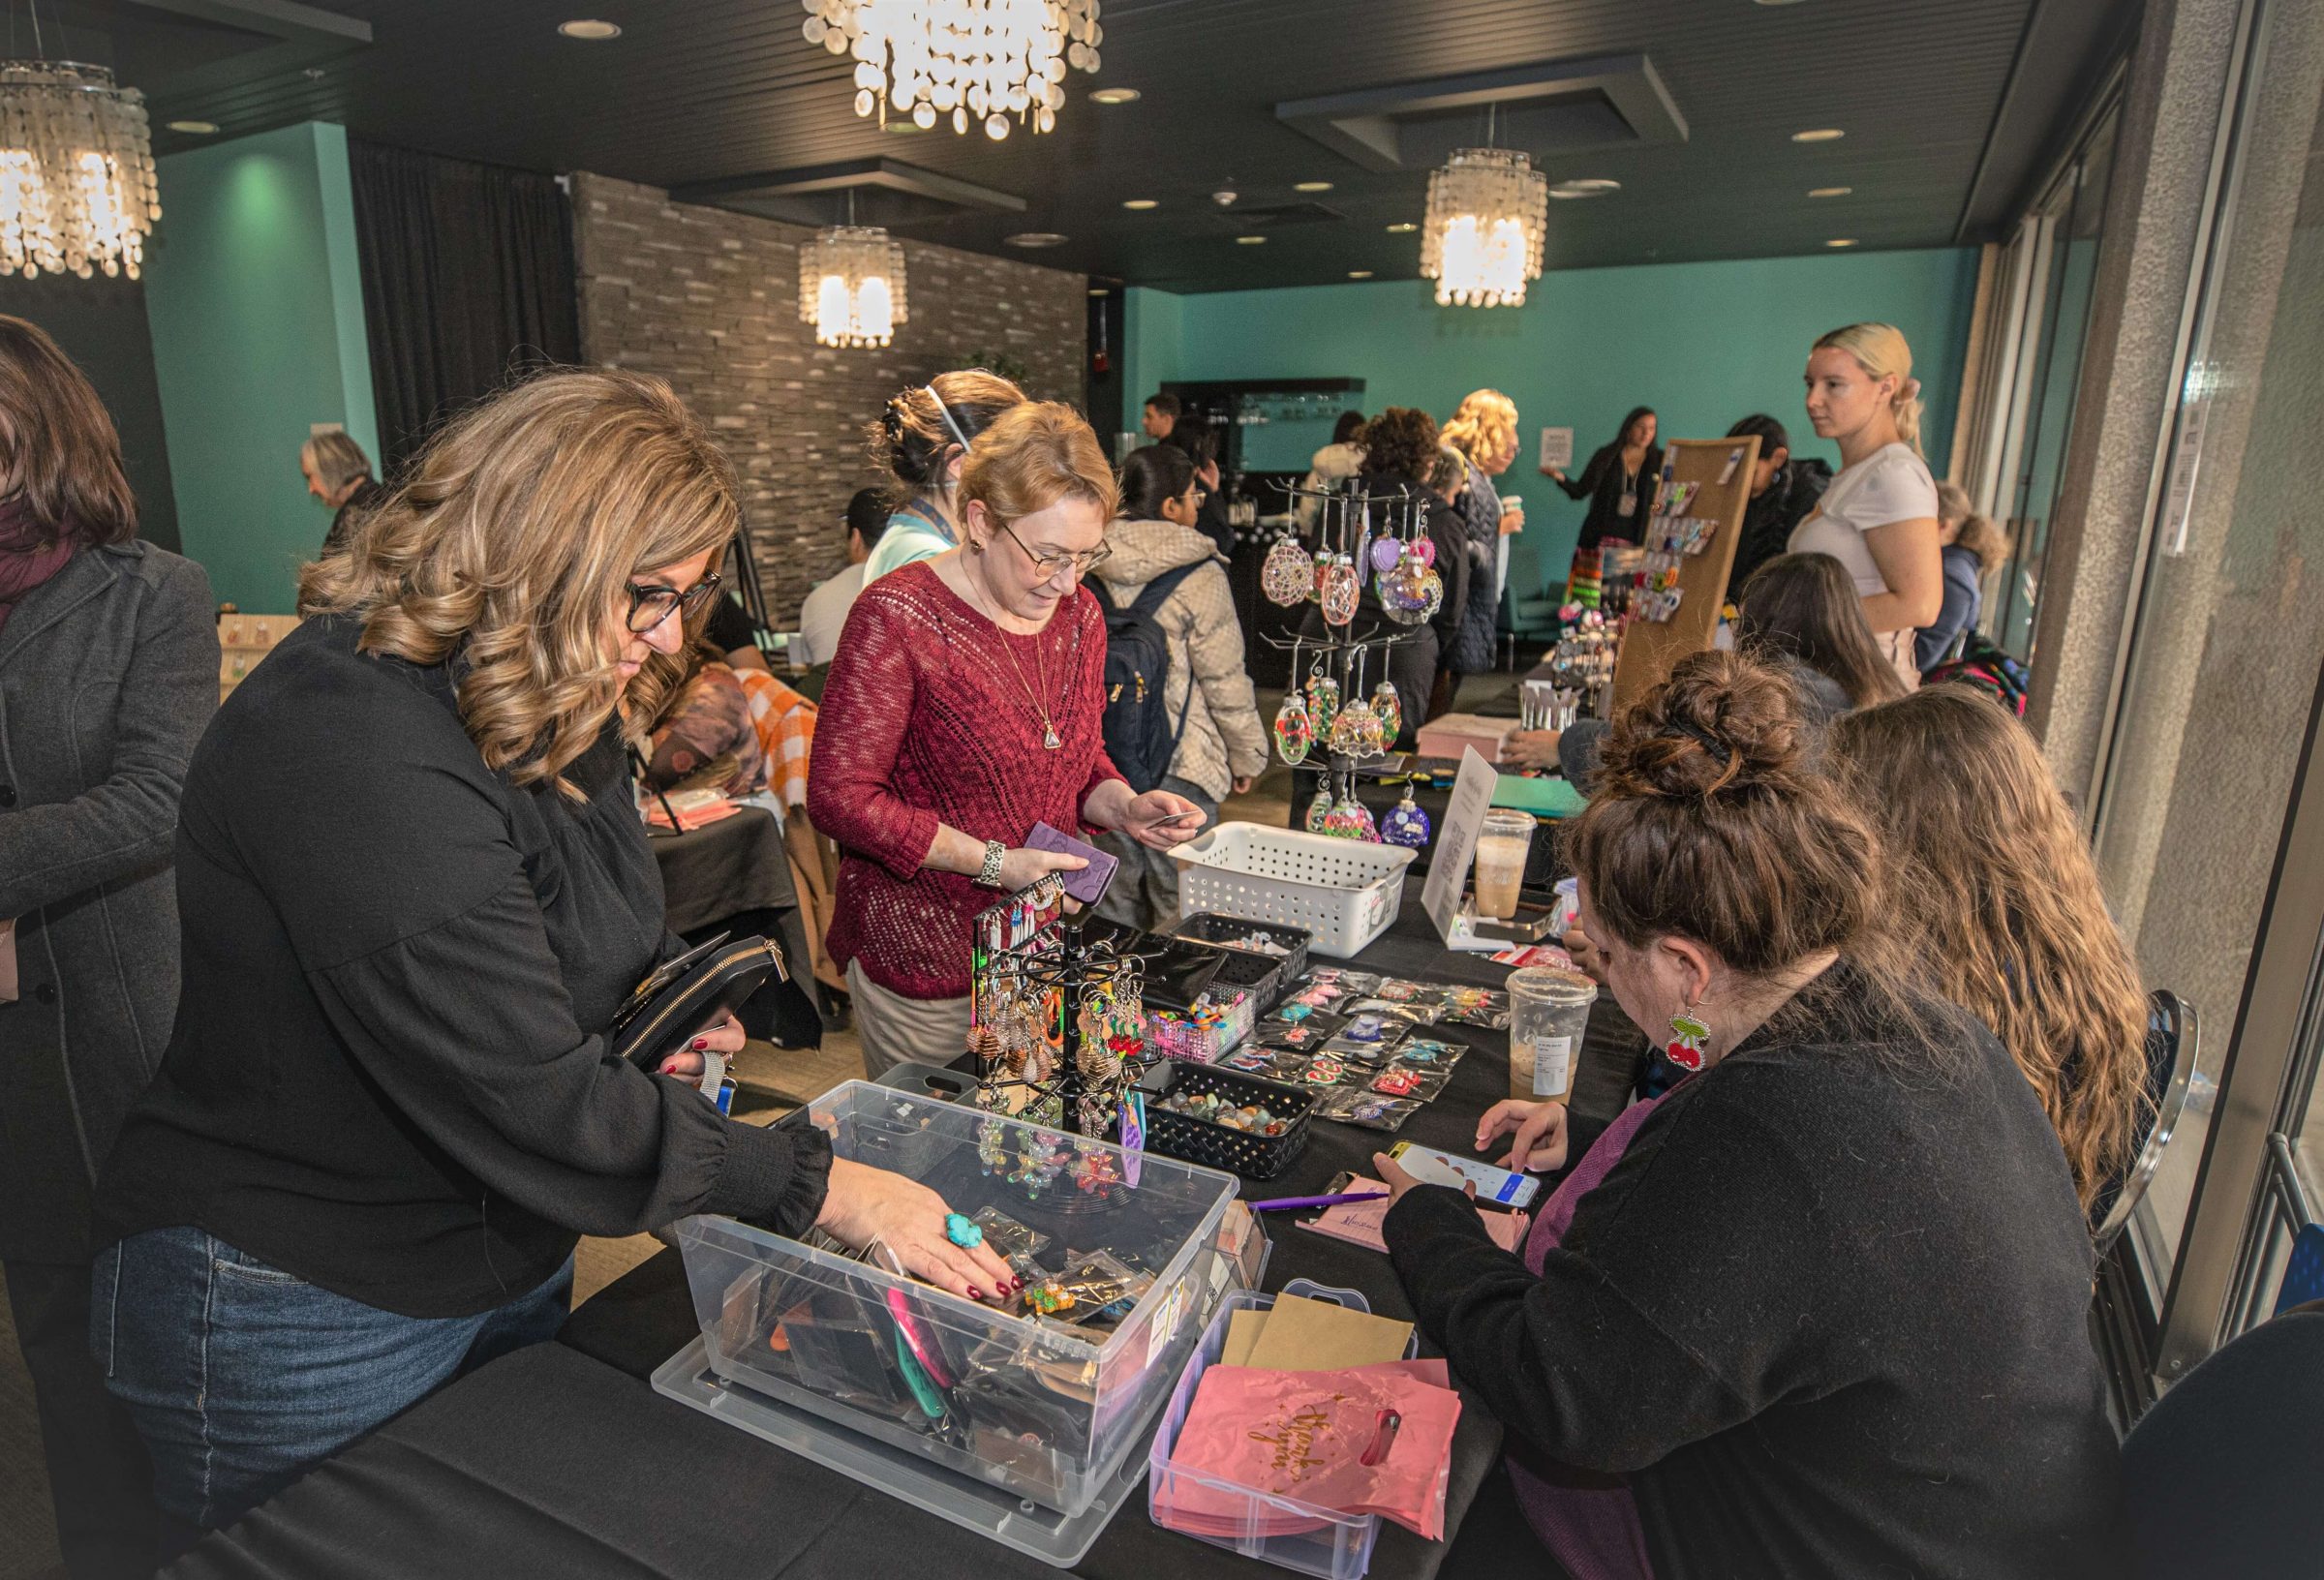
[[1138, 737], [1990, 670]]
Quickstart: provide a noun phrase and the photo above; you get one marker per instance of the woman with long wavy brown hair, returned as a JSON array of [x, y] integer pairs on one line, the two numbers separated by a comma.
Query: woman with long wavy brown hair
[[415, 891], [1998, 898]]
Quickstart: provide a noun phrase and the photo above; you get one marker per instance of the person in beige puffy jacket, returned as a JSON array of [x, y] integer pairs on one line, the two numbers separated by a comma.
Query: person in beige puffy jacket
[[1223, 744]]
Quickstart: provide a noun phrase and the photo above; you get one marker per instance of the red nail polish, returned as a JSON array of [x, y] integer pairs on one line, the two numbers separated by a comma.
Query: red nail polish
[[976, 1294], [701, 1043], [668, 1066]]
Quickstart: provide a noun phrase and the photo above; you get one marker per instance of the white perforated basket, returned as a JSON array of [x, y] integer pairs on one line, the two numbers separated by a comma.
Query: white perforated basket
[[1345, 892]]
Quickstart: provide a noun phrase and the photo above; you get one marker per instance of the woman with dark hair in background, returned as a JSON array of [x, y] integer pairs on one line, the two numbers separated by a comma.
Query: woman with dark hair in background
[[108, 671], [1199, 444], [1971, 546], [1222, 745], [1825, 1302], [920, 441], [1401, 455], [1784, 489], [1618, 482]]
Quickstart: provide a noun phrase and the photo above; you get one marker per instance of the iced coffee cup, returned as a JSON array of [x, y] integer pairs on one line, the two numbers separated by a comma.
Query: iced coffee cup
[[1548, 1011], [1503, 844]]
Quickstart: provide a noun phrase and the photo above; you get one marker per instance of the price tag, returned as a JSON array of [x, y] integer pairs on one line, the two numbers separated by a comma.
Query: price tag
[[1552, 1063]]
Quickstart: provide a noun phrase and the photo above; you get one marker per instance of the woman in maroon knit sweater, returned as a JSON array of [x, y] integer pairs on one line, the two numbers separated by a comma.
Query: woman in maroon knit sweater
[[968, 704]]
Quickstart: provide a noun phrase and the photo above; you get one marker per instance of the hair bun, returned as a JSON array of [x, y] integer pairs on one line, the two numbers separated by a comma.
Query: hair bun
[[1719, 725]]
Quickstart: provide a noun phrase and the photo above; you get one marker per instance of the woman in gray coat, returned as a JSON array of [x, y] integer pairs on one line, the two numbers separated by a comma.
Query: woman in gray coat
[[108, 671]]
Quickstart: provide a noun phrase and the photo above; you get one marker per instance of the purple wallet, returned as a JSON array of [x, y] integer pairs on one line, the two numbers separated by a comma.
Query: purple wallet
[[1088, 884]]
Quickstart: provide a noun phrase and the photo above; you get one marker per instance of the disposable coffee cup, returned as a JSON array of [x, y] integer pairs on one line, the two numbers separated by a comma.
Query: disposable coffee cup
[[1503, 842], [1548, 1011]]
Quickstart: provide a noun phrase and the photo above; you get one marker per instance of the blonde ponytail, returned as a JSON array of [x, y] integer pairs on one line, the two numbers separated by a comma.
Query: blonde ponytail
[[1880, 350]]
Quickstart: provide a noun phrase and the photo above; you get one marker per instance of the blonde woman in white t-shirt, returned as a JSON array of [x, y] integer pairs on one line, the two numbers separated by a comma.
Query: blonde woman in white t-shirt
[[1879, 518]]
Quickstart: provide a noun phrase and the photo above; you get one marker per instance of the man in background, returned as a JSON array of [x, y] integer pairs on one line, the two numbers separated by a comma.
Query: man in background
[[825, 613], [1161, 416]]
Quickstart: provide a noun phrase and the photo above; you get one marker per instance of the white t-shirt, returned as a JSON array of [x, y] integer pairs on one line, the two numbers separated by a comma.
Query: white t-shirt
[[824, 613], [1889, 485]]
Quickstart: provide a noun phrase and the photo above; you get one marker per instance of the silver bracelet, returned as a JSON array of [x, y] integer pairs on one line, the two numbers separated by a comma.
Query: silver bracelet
[[989, 875]]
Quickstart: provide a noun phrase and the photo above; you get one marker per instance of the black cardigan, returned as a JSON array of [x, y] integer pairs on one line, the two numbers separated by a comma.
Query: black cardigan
[[1827, 1314], [386, 1076], [1600, 483]]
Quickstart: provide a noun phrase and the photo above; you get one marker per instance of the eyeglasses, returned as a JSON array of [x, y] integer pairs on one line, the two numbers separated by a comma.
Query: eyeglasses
[[1046, 565], [650, 606]]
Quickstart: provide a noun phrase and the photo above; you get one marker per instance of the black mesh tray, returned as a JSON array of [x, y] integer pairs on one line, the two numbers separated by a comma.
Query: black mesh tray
[[1269, 975], [1198, 1140]]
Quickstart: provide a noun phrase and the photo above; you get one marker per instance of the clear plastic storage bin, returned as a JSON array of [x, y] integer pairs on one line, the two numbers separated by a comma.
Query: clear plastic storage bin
[[1284, 1531], [1029, 1405]]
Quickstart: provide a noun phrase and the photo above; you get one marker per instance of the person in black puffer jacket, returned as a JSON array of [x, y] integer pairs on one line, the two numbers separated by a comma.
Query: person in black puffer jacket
[[1784, 489]]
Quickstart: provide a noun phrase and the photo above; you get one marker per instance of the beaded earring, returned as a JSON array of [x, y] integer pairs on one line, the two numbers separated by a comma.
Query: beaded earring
[[1319, 812], [1339, 591], [1390, 711], [1323, 699], [1295, 731]]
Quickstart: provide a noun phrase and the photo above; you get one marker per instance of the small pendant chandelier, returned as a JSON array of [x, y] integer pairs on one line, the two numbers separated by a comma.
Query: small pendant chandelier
[[851, 285], [972, 60], [1489, 212], [77, 191]]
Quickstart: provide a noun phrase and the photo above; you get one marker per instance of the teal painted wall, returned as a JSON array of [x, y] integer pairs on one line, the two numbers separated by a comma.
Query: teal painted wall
[[256, 304], [1703, 343]]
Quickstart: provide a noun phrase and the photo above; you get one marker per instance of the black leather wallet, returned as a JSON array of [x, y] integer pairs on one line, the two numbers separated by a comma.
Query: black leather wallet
[[687, 995]]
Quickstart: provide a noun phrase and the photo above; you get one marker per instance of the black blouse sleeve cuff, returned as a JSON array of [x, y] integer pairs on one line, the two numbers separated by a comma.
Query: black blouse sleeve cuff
[[774, 1176]]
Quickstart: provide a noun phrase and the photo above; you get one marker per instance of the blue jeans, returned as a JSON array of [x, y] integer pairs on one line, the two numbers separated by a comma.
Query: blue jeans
[[240, 1377]]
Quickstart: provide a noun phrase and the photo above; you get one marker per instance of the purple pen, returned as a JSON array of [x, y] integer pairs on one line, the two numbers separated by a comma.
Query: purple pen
[[1292, 1204]]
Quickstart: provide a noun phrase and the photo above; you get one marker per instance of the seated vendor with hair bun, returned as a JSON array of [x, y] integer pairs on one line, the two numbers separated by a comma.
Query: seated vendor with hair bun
[[1820, 1309]]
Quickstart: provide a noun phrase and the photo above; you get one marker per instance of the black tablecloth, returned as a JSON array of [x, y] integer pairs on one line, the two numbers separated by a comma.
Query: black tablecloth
[[737, 864], [563, 1460]]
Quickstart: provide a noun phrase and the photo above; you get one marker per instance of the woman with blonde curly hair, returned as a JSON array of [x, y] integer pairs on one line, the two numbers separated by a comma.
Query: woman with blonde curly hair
[[415, 891], [1483, 431], [1999, 900]]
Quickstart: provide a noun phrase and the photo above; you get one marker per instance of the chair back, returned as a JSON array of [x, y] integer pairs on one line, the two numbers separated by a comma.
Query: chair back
[[2303, 1272], [2220, 1475], [2172, 1041]]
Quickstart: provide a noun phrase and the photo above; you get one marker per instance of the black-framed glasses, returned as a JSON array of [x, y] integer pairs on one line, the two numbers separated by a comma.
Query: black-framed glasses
[[650, 606], [1047, 565]]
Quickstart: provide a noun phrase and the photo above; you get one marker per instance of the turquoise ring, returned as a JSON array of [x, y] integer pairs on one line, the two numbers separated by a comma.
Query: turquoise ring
[[961, 1232]]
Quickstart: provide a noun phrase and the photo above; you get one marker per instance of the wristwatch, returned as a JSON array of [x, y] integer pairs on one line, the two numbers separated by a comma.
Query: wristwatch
[[989, 874]]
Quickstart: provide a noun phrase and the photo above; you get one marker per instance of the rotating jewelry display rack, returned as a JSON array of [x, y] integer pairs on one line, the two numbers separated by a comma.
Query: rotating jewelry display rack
[[1057, 1024], [1356, 534]]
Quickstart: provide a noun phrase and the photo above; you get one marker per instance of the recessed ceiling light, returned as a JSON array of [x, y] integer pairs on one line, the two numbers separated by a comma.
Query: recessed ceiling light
[[1778, 1], [1830, 191], [1115, 96], [1402, 228], [1099, 291], [1311, 185], [1250, 241], [1840, 241], [1141, 204], [903, 126], [590, 28], [1587, 186], [1359, 274], [1821, 134], [200, 129], [1033, 238]]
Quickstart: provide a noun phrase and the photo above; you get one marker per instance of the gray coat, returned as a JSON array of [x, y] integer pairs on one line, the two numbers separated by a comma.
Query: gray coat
[[108, 672]]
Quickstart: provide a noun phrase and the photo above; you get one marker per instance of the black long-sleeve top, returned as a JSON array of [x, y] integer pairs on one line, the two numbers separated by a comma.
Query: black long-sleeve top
[[1826, 1316], [386, 1076], [1603, 482]]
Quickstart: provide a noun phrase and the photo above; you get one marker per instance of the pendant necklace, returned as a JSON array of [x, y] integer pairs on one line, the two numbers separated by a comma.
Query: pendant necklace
[[1050, 739]]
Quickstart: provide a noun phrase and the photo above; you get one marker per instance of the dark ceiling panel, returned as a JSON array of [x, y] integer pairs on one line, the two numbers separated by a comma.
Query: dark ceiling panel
[[708, 91]]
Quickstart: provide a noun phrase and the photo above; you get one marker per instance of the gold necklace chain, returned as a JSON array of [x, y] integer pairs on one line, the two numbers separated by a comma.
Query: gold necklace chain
[[1050, 739]]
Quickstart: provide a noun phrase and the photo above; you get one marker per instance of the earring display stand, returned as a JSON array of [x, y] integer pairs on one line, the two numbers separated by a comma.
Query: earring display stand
[[1718, 470]]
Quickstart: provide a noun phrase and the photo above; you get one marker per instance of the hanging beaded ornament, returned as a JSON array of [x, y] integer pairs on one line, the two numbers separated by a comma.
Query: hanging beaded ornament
[[1390, 711], [1386, 552], [1289, 575], [1295, 730], [1366, 828], [1339, 822], [1404, 591], [1354, 732], [1406, 824], [1319, 812], [1424, 549], [1323, 702], [1339, 591]]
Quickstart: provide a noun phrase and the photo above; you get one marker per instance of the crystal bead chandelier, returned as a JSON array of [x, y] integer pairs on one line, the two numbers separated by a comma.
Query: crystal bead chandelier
[[77, 189], [1487, 212], [851, 285], [972, 60]]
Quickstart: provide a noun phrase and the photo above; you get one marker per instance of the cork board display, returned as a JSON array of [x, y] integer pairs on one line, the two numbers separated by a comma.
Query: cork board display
[[1717, 475]]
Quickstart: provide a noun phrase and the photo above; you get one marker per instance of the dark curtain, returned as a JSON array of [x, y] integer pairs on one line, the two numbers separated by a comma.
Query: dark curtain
[[468, 284]]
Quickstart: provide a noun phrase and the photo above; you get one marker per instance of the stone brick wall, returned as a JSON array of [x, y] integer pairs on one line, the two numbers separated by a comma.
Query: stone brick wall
[[710, 300]]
